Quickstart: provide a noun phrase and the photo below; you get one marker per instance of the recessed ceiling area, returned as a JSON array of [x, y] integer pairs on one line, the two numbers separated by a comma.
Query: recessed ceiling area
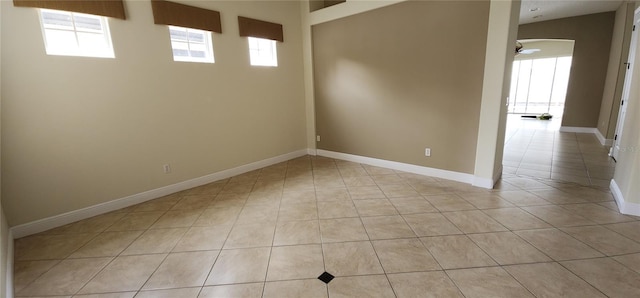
[[532, 11]]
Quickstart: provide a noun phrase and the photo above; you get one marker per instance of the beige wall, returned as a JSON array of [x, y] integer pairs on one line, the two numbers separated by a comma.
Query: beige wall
[[80, 131], [592, 35], [392, 81], [616, 71], [5, 238]]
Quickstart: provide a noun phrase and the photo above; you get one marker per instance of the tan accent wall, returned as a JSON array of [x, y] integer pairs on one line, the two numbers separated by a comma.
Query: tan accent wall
[[82, 131], [592, 35], [393, 81], [616, 71]]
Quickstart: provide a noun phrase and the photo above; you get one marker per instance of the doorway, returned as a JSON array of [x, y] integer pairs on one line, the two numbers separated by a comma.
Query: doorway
[[540, 77]]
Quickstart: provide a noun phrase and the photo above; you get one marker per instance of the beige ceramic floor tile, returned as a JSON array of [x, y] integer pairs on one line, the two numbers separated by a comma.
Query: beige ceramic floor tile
[[372, 286], [516, 219], [351, 258], [604, 240], [218, 217], [365, 192], [298, 196], [473, 221], [551, 280], [631, 261], [107, 244], [252, 290], [177, 219], [558, 216], [252, 235], [297, 232], [558, 245], [410, 205], [258, 214], [404, 255], [193, 202], [430, 224], [598, 213], [522, 198], [203, 238], [160, 204], [96, 224], [120, 275], [24, 272], [526, 183], [298, 211], [240, 266], [342, 229], [556, 196], [482, 200], [49, 247], [456, 252], [183, 269], [155, 241], [487, 282], [172, 293], [376, 207], [398, 190], [608, 276], [507, 248], [357, 171], [373, 170], [308, 288], [423, 284], [628, 229], [136, 221], [332, 195], [108, 295], [295, 262], [449, 202], [386, 179], [336, 209], [65, 278], [387, 227], [358, 181]]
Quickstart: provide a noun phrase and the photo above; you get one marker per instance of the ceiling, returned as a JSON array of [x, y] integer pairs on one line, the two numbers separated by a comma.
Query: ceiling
[[543, 10]]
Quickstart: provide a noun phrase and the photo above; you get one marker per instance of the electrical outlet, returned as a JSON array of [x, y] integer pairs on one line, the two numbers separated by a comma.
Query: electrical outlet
[[166, 168], [427, 152], [318, 138]]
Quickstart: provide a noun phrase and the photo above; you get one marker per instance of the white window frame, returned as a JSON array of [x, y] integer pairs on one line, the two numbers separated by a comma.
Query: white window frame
[[77, 49], [263, 52], [208, 44]]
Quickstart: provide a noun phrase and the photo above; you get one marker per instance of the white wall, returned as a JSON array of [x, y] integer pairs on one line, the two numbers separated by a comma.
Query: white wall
[[82, 131], [627, 174]]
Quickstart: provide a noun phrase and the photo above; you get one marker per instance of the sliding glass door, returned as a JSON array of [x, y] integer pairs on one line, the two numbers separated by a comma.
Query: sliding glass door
[[539, 85]]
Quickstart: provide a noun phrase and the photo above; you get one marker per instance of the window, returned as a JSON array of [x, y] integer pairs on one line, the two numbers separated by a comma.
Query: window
[[262, 52], [191, 45], [75, 34]]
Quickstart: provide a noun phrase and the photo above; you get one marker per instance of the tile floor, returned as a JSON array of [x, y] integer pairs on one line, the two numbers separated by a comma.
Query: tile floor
[[381, 233], [536, 148]]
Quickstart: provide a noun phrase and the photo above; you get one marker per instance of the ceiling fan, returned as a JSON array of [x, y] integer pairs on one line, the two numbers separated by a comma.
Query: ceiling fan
[[521, 50]]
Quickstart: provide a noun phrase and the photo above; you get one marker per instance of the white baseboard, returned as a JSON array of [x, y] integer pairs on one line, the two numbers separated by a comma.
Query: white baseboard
[[578, 129], [624, 206], [312, 152], [487, 183], [80, 214], [394, 165], [603, 141]]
